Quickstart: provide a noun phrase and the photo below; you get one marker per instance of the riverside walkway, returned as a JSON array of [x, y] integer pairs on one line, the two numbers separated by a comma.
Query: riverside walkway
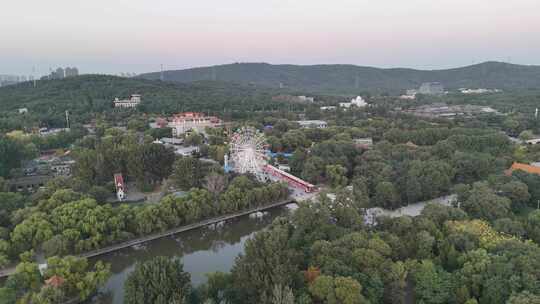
[[9, 271]]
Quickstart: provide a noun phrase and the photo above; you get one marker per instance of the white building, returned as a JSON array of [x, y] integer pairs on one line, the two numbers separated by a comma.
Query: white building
[[171, 141], [431, 88], [306, 99], [186, 151], [358, 101], [478, 91], [328, 108], [133, 101], [23, 110], [363, 142], [285, 168], [534, 141], [319, 124], [408, 97], [52, 131]]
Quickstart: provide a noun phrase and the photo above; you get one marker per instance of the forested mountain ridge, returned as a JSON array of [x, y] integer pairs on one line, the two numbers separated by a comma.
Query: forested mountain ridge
[[83, 96], [91, 92], [351, 78]]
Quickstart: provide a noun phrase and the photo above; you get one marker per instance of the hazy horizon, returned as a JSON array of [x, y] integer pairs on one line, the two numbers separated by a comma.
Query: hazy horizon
[[137, 36]]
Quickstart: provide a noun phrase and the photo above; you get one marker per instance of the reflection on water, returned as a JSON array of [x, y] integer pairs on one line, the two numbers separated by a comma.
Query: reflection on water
[[202, 250]]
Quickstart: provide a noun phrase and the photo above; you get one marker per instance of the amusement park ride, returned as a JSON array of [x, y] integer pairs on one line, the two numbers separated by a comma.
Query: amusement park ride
[[248, 155]]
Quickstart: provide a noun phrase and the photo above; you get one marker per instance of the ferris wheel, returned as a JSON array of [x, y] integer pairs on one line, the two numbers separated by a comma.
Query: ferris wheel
[[247, 149]]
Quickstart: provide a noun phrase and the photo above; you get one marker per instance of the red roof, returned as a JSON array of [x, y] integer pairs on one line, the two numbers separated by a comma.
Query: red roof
[[118, 180], [55, 281], [523, 167]]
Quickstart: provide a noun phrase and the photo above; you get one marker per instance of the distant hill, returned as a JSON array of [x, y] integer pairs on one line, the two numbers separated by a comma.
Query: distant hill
[[351, 78], [86, 94], [96, 92]]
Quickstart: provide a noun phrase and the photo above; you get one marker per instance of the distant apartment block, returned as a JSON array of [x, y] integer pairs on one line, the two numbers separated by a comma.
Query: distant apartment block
[[61, 73], [71, 72], [133, 101], [6, 80]]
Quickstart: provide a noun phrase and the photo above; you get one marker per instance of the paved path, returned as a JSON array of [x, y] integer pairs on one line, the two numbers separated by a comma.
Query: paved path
[[410, 210], [8, 271]]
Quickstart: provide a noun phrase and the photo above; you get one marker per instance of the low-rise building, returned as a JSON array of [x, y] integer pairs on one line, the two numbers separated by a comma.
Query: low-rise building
[[443, 110], [319, 124], [188, 121], [411, 92], [478, 91], [171, 141], [62, 166], [523, 167], [52, 131], [534, 141], [365, 143], [49, 163], [186, 151], [28, 183], [159, 123], [328, 108], [358, 102], [285, 168], [306, 99], [133, 101], [431, 88], [291, 98], [407, 97]]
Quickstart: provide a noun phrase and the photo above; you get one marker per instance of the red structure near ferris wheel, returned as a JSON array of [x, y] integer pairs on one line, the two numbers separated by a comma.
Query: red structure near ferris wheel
[[290, 179], [248, 155]]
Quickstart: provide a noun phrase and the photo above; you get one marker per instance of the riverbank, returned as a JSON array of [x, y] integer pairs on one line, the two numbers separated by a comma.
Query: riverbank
[[202, 251], [141, 240]]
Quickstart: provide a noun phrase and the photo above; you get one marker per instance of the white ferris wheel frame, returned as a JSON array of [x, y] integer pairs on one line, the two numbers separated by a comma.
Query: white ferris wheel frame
[[247, 150]]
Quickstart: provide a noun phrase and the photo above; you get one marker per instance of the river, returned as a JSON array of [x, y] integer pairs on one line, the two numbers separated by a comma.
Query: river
[[207, 250], [201, 250]]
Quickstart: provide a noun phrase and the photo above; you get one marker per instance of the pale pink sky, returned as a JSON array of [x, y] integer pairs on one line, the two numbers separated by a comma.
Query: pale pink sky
[[111, 36]]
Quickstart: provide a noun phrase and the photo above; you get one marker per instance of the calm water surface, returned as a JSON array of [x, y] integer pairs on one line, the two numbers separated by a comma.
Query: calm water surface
[[202, 251]]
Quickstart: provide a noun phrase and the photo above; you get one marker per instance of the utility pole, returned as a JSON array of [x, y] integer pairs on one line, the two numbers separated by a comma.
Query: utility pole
[[34, 75], [67, 119]]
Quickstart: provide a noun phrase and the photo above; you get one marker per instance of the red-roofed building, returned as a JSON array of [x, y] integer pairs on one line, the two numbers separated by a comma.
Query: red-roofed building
[[120, 186], [523, 167], [183, 122], [55, 281]]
